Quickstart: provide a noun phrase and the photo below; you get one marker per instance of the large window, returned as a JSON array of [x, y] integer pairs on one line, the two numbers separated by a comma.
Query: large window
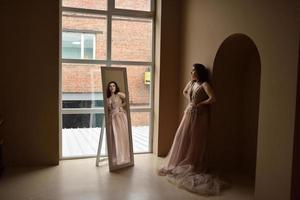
[[113, 33]]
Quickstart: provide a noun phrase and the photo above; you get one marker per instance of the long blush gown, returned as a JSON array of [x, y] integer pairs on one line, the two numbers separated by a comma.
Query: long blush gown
[[119, 129], [185, 164]]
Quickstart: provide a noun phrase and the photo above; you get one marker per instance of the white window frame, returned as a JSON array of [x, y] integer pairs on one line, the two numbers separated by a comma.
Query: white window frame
[[109, 13]]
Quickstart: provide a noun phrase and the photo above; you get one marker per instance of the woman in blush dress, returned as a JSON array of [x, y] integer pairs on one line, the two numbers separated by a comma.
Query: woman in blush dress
[[185, 164], [119, 124]]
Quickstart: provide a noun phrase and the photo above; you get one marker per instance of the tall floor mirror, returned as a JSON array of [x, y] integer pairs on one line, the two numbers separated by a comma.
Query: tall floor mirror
[[117, 117]]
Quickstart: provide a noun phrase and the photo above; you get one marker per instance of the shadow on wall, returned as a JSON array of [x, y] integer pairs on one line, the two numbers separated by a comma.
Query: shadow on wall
[[234, 117], [296, 161]]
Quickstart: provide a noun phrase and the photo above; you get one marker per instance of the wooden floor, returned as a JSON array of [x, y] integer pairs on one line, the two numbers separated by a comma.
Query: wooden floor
[[81, 142], [80, 179]]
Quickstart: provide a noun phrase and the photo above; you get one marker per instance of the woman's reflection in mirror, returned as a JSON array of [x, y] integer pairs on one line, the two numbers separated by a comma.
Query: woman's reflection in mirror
[[119, 124]]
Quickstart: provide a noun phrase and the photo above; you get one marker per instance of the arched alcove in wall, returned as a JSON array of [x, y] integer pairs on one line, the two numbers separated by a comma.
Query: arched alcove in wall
[[234, 116]]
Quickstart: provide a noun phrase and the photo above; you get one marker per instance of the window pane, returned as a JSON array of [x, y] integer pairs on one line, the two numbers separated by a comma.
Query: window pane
[[144, 5], [88, 4], [82, 100], [131, 39], [82, 120], [71, 45], [81, 80], [82, 141], [93, 33], [140, 122], [82, 91], [88, 46], [138, 85]]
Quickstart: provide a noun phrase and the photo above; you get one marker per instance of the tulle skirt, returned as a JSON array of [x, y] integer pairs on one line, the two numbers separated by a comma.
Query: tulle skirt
[[121, 138], [186, 163]]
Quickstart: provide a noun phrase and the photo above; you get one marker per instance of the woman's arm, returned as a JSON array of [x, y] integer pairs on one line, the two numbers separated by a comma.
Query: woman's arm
[[186, 90], [210, 93], [108, 104], [122, 95]]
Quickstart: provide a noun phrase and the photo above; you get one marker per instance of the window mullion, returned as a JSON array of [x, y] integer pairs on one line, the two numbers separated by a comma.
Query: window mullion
[[153, 4], [132, 13], [82, 46], [110, 7], [84, 10], [94, 46]]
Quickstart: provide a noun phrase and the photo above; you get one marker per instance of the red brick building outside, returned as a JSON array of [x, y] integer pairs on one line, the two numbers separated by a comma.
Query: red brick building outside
[[85, 37]]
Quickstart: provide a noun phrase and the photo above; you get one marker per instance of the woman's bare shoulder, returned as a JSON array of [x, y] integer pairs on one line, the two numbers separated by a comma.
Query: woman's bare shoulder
[[205, 84]]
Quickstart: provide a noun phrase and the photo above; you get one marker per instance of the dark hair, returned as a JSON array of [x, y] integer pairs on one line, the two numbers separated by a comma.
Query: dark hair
[[201, 72], [108, 93]]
